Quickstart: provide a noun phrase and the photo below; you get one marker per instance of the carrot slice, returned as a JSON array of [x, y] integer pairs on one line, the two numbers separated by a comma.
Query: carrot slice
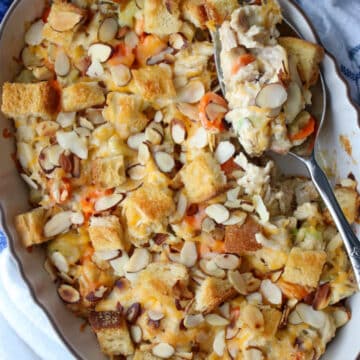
[[229, 167], [122, 55], [216, 124], [242, 61], [304, 132]]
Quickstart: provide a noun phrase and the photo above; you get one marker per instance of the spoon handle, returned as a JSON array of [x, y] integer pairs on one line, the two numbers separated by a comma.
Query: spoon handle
[[352, 243]]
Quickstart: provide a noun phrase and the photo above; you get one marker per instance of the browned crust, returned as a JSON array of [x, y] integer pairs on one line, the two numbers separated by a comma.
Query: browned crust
[[100, 320]]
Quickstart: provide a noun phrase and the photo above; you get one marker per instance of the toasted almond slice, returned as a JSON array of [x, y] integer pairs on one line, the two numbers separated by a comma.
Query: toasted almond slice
[[341, 316], [82, 132], [217, 212], [190, 111], [95, 69], [188, 254], [77, 218], [164, 161], [58, 224], [100, 52], [224, 151], [154, 135], [310, 316], [136, 334], [208, 225], [62, 64], [236, 219], [95, 116], [85, 123], [213, 111], [210, 268], [160, 57], [29, 181], [158, 117], [253, 354], [139, 260], [271, 96], [59, 261], [136, 172], [163, 350], [133, 312], [155, 315], [227, 261], [120, 74], [271, 292], [200, 138], [71, 141], [225, 310], [50, 269], [261, 208], [191, 93], [119, 264], [107, 202], [135, 140], [131, 40], [181, 207], [68, 294], [177, 41], [192, 321], [254, 298], [143, 153], [231, 332], [64, 20], [34, 34], [49, 158], [66, 119], [219, 344], [238, 282], [216, 320], [108, 254], [178, 131], [108, 29]]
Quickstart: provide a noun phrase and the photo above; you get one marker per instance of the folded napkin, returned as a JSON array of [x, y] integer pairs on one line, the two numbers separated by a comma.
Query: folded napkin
[[25, 332]]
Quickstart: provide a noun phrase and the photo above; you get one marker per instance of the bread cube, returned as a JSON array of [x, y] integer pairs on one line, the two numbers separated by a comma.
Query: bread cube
[[220, 10], [194, 11], [108, 172]]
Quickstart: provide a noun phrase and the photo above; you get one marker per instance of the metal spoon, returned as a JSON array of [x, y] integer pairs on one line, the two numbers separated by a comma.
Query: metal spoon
[[306, 155]]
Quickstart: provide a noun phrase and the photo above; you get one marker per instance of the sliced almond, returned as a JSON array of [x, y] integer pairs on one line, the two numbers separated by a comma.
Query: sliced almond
[[192, 321], [341, 316], [178, 131], [85, 123], [210, 268], [120, 74], [261, 208], [107, 202], [66, 119], [136, 334], [160, 57], [139, 260], [308, 315], [83, 132], [133, 312], [200, 138], [158, 117], [59, 261], [29, 181], [131, 40], [216, 320], [163, 350], [72, 142], [238, 282], [64, 20], [106, 255], [271, 96], [136, 171], [225, 310], [155, 315], [77, 218], [322, 297], [47, 157], [227, 261], [254, 298], [217, 212], [219, 344], [253, 354], [231, 332], [143, 153], [294, 103], [181, 207], [58, 224], [100, 52], [34, 34], [190, 111], [191, 93], [62, 64], [177, 41], [135, 140], [224, 151], [68, 294], [108, 29], [50, 269], [154, 134], [95, 69], [164, 161], [236, 219], [271, 292], [213, 111], [119, 264], [95, 116], [188, 254], [208, 225]]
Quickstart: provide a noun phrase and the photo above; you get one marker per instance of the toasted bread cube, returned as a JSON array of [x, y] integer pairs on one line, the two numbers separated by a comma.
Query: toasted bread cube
[[239, 239], [349, 201], [108, 172], [202, 178], [307, 55], [154, 84], [112, 332], [194, 11], [59, 38], [30, 226], [38, 100], [144, 355], [211, 293], [82, 95], [272, 319], [304, 267], [161, 17], [220, 10], [124, 112], [106, 233]]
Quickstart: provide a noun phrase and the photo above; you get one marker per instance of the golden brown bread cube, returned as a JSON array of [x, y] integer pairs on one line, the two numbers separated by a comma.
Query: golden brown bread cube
[[30, 226], [202, 178], [220, 10], [124, 112], [349, 201], [112, 332], [162, 17], [106, 233], [194, 11], [307, 55], [38, 100], [239, 239], [154, 84], [81, 95], [211, 293], [304, 267], [108, 172]]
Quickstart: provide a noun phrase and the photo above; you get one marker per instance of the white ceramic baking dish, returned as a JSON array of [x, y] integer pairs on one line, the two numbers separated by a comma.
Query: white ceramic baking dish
[[342, 119]]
